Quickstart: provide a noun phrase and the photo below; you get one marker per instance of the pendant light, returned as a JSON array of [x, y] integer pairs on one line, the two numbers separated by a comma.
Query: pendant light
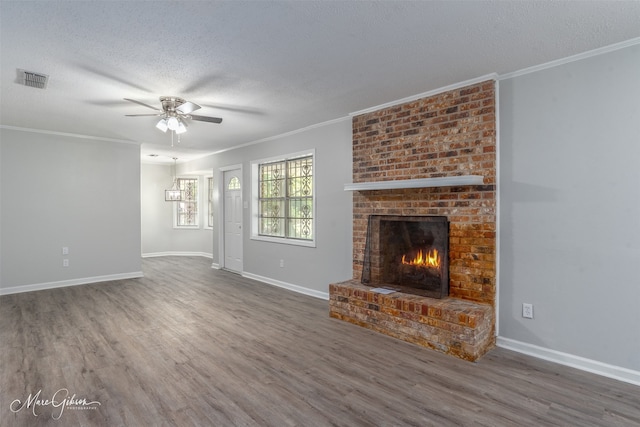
[[173, 195]]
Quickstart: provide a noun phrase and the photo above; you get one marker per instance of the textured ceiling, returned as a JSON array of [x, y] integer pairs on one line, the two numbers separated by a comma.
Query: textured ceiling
[[270, 67]]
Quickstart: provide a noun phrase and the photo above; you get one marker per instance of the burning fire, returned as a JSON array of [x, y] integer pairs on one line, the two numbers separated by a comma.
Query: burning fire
[[431, 259]]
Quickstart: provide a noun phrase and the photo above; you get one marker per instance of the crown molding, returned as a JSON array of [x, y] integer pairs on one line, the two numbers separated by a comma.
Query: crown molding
[[492, 76], [573, 58], [283, 135]]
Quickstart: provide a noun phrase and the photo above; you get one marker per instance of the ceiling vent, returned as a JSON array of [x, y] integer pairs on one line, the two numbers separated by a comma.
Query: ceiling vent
[[29, 78]]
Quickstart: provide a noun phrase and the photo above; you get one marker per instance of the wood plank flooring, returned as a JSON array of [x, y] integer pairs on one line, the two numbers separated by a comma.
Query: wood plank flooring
[[191, 346]]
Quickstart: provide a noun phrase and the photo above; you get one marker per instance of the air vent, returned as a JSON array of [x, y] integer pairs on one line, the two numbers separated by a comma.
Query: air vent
[[29, 78]]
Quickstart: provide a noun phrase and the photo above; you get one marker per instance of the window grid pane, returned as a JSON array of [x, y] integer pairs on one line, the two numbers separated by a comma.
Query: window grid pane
[[272, 216], [234, 184], [271, 199], [300, 219], [299, 173], [272, 180], [187, 214]]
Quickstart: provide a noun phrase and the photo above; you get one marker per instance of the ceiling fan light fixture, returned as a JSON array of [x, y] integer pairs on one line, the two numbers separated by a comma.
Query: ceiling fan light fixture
[[162, 125], [175, 114], [173, 123], [181, 128]]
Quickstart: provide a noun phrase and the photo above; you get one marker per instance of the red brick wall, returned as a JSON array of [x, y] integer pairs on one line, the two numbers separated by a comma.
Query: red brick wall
[[449, 134]]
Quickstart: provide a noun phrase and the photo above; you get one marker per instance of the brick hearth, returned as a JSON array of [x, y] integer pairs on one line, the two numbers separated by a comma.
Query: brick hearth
[[453, 326], [448, 134]]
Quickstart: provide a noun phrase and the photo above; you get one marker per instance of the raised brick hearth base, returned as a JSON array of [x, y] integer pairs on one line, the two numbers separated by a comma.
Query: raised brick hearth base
[[450, 325]]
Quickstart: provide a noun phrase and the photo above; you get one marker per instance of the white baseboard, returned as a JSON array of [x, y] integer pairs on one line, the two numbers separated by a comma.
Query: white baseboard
[[158, 254], [289, 286], [278, 283], [71, 282], [593, 366]]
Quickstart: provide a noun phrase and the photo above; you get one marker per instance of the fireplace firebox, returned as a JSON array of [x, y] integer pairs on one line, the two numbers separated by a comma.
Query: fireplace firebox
[[408, 254]]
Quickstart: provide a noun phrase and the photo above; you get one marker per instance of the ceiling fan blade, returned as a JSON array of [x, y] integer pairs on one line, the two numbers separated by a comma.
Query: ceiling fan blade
[[141, 103], [206, 119], [140, 115], [235, 109], [187, 107]]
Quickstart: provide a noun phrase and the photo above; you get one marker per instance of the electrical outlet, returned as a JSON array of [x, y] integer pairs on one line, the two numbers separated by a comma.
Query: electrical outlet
[[65, 250], [527, 310], [65, 263], [281, 263]]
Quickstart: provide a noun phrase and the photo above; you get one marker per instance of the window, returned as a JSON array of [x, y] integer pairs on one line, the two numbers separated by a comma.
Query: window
[[210, 202], [187, 208], [285, 201], [234, 184]]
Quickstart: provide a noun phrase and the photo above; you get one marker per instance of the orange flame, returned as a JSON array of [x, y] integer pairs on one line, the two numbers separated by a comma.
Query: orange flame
[[431, 259]]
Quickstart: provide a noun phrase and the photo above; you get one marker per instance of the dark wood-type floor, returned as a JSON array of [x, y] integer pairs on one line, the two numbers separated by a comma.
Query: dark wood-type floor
[[189, 345]]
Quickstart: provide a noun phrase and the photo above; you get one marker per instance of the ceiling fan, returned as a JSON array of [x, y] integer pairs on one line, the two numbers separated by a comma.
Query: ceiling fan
[[174, 114]]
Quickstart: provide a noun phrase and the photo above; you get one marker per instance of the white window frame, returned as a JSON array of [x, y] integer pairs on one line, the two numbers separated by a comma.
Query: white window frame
[[255, 209], [210, 211]]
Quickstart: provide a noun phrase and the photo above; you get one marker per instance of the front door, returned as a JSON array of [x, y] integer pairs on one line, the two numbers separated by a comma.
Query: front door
[[233, 220]]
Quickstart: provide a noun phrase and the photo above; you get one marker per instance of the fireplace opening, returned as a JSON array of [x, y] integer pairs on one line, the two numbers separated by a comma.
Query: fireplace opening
[[408, 254]]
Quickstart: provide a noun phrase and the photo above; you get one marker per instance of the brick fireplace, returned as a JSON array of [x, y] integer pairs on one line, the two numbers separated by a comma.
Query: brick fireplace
[[450, 134]]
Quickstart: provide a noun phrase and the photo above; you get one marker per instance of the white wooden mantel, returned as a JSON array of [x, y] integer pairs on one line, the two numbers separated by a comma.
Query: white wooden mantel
[[444, 181]]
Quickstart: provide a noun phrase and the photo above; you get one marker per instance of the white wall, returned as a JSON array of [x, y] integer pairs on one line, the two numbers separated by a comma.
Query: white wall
[[310, 268], [570, 208], [66, 191], [159, 237]]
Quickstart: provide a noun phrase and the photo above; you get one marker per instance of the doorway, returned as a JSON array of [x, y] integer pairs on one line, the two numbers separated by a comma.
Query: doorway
[[231, 254]]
